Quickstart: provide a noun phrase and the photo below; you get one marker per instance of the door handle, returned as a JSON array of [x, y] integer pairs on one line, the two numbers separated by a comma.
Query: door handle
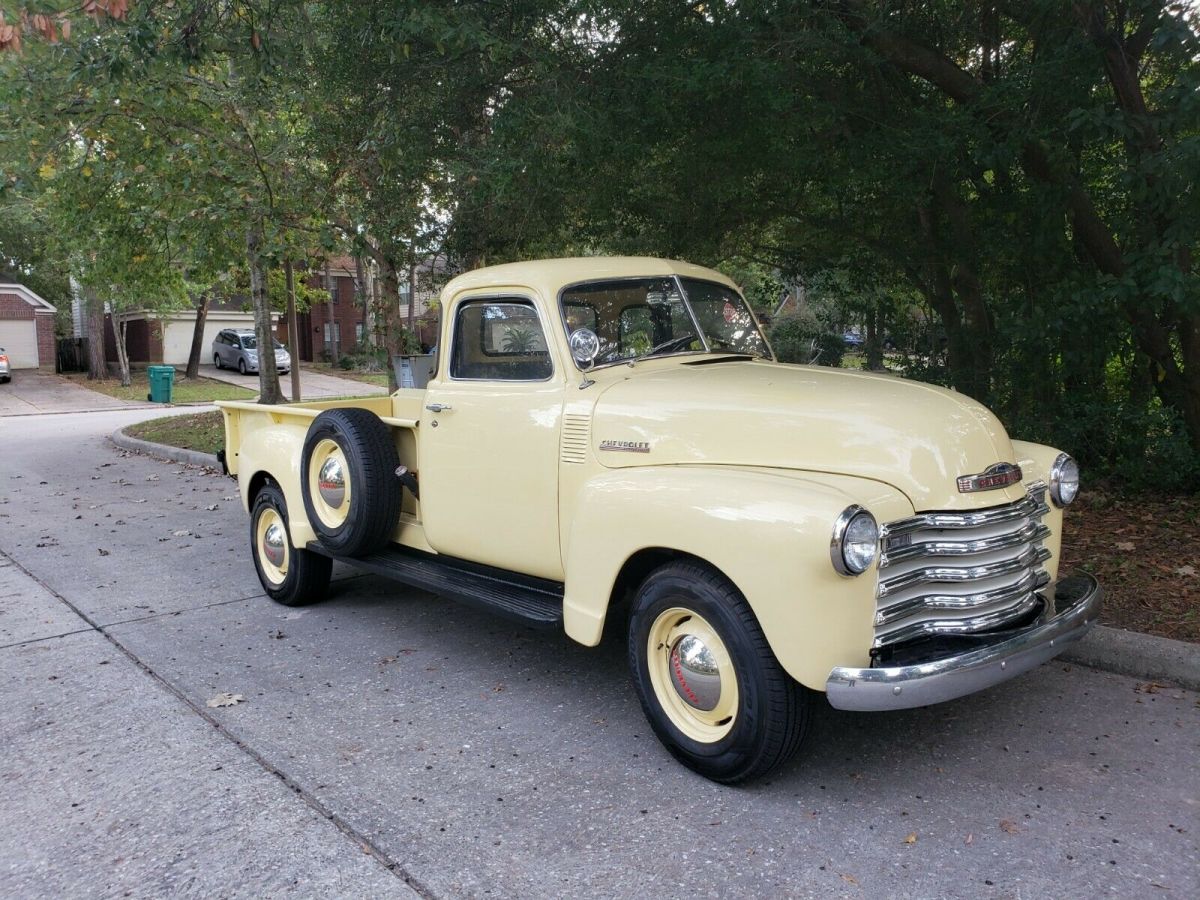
[[438, 407]]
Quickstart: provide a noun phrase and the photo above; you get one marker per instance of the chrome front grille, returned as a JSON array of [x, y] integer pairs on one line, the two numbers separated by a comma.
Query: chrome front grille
[[946, 573]]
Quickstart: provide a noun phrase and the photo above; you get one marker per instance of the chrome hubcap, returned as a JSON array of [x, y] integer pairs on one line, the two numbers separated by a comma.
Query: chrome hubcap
[[274, 548], [695, 674], [331, 482], [692, 674]]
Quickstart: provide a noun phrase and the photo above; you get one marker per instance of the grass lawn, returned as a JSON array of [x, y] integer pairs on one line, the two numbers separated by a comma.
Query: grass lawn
[[203, 432], [377, 378], [185, 390]]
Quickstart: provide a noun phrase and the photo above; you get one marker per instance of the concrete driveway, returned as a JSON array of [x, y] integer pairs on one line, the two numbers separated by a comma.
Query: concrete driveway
[[388, 741], [31, 392], [313, 385]]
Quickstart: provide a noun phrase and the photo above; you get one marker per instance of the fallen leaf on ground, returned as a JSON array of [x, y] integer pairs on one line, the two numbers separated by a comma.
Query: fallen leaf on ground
[[850, 879], [225, 700], [102, 552], [183, 532], [1009, 827], [912, 838], [211, 507], [1125, 545], [970, 839], [1189, 571], [1150, 687]]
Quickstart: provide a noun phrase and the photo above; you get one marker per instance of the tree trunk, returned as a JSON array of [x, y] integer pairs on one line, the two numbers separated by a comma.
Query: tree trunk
[[393, 334], [193, 364], [268, 375], [874, 348], [412, 294], [360, 297], [97, 358], [119, 332], [293, 326]]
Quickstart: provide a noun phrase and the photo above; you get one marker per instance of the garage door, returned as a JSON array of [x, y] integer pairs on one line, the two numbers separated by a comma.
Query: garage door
[[19, 340]]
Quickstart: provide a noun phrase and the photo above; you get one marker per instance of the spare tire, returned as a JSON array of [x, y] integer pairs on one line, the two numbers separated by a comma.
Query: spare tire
[[348, 481]]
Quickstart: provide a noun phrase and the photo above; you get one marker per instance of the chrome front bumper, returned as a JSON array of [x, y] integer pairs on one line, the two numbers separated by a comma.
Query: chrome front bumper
[[1075, 603]]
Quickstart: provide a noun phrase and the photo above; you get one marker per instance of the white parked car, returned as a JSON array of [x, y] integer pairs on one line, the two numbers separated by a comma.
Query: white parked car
[[238, 349]]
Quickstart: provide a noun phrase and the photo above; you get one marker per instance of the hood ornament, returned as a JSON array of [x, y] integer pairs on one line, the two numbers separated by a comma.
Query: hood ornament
[[998, 476]]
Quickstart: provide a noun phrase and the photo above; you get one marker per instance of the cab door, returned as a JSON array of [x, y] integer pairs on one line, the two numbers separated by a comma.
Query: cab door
[[490, 436]]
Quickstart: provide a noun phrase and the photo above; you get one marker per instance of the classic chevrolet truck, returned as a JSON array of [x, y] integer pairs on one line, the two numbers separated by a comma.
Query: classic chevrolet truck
[[613, 436]]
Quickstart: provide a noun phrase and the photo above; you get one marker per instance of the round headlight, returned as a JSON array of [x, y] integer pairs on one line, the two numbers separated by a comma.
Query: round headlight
[[855, 541], [1064, 480]]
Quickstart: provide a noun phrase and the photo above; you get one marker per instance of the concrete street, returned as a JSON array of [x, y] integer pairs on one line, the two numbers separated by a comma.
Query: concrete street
[[391, 743]]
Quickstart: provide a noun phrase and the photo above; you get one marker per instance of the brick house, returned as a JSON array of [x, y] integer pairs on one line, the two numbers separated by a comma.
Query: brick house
[[152, 338], [26, 328], [352, 322]]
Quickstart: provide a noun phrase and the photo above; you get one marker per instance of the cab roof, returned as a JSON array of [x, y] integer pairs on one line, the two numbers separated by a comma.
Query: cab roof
[[549, 276]]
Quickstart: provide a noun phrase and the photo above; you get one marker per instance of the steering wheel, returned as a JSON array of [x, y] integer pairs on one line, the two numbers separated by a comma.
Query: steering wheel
[[674, 343]]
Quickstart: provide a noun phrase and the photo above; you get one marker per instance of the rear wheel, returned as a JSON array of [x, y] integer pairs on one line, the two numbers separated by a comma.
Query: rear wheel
[[217, 360], [290, 576], [708, 682]]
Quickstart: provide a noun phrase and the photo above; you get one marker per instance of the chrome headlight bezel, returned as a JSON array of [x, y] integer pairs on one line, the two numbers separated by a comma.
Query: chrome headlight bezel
[[846, 532], [1064, 480]]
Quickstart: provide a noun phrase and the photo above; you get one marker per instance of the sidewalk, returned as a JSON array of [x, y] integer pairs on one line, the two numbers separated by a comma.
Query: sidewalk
[[313, 385], [32, 393]]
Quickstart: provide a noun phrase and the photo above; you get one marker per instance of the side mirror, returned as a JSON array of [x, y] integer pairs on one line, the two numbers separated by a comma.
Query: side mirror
[[585, 347]]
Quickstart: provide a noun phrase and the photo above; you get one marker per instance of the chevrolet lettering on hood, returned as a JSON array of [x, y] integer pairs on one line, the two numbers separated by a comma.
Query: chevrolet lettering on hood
[[626, 446]]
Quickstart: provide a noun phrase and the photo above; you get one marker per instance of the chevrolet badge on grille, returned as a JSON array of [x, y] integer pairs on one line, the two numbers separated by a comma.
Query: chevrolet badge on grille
[[997, 476]]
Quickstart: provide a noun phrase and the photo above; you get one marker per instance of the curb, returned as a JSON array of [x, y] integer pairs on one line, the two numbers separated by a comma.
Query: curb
[[1115, 650], [1143, 656], [162, 451]]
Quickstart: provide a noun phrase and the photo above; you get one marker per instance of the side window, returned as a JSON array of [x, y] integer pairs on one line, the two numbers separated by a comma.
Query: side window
[[501, 340]]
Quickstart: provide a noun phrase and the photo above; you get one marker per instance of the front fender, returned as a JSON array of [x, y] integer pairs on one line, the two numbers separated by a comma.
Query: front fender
[[1035, 461], [768, 531]]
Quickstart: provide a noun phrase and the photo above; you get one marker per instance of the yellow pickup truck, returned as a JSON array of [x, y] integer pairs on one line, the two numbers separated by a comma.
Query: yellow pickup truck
[[613, 436]]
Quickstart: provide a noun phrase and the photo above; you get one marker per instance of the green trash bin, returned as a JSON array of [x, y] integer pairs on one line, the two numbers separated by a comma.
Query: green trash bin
[[162, 383]]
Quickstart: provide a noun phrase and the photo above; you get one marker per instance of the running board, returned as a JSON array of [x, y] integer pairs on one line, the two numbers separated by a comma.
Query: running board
[[521, 598]]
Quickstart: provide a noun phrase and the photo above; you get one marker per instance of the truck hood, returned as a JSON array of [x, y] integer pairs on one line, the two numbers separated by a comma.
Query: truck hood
[[912, 436]]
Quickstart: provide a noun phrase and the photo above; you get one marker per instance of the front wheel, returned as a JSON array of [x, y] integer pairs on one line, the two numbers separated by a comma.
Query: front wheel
[[217, 361], [708, 682], [289, 575]]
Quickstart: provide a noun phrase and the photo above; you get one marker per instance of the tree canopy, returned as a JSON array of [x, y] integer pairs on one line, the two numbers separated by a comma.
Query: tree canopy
[[1021, 174]]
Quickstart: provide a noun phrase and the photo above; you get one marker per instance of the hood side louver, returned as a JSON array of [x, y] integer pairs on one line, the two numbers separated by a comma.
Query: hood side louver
[[575, 434]]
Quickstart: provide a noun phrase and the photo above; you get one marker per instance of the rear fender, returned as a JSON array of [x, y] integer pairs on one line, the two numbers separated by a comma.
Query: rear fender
[[275, 449]]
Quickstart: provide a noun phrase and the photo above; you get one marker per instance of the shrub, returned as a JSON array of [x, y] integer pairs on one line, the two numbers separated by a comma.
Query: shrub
[[800, 338]]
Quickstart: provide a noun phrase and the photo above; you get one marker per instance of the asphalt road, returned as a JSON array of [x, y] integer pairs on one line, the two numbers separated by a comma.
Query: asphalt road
[[389, 742]]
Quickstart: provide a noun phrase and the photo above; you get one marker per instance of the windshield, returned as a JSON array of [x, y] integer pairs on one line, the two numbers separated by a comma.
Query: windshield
[[635, 318], [250, 342]]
